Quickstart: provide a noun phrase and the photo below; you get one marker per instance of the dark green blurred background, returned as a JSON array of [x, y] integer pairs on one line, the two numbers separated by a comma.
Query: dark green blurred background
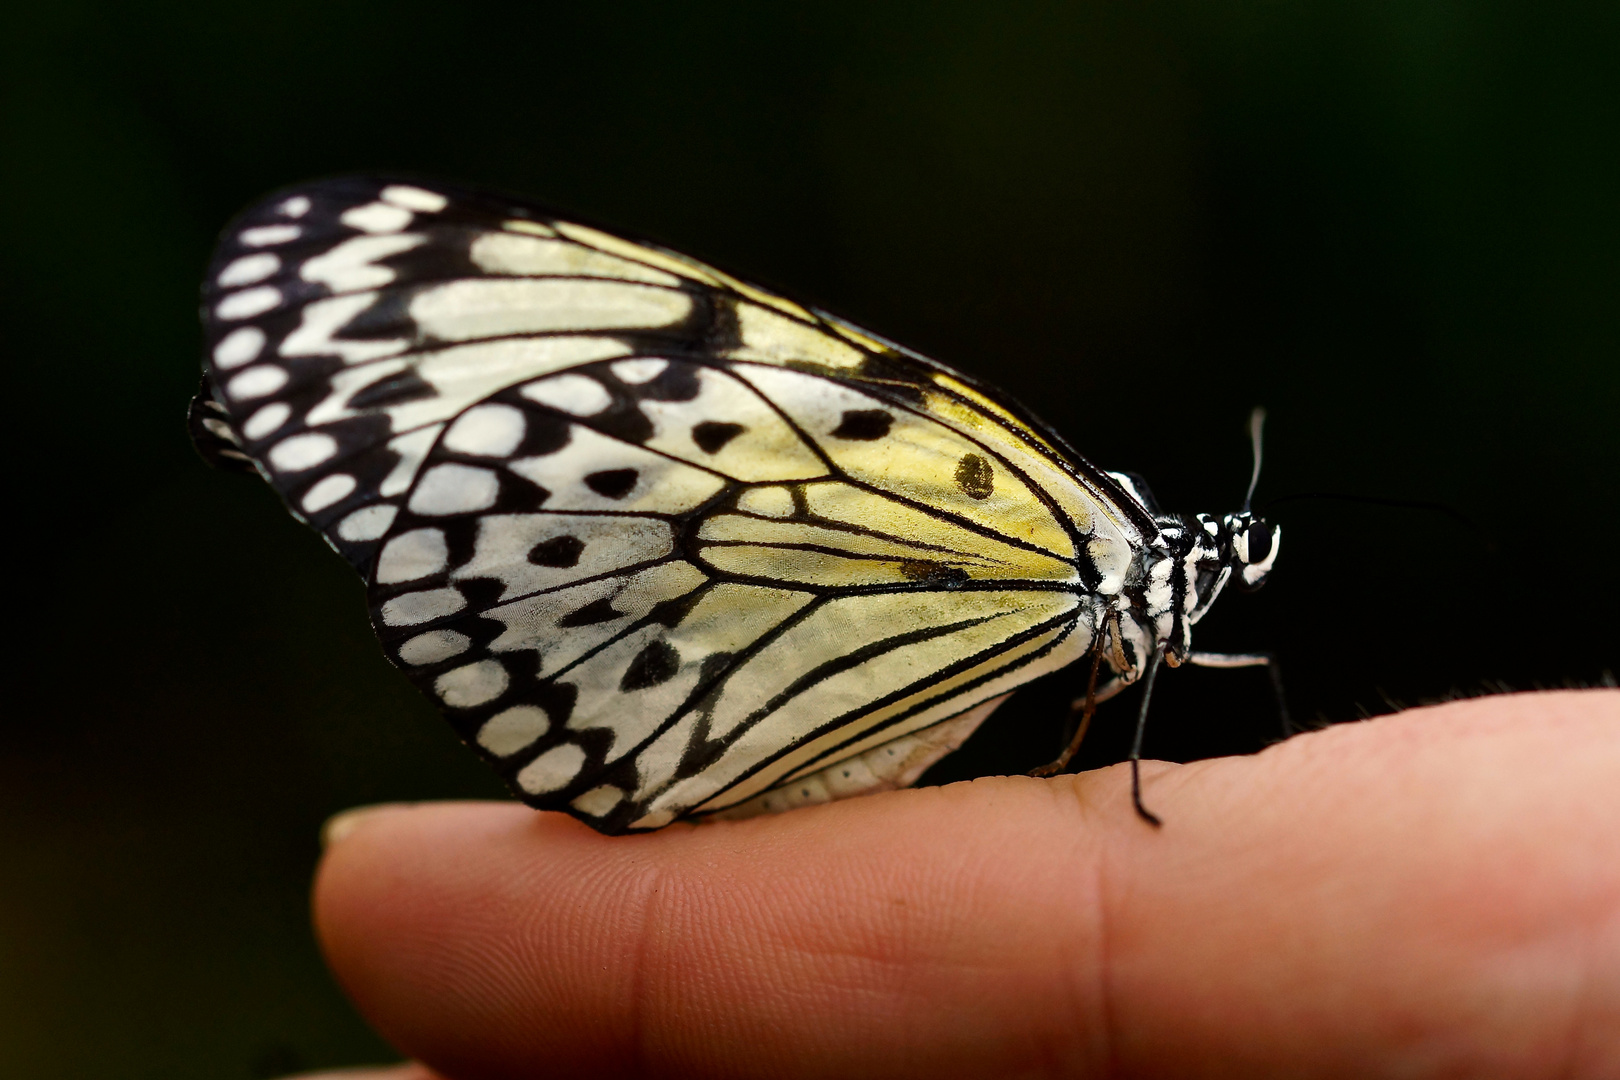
[[1396, 223]]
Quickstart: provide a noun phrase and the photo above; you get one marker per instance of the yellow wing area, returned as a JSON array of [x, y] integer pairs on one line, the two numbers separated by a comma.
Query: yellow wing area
[[859, 672], [850, 535], [773, 330]]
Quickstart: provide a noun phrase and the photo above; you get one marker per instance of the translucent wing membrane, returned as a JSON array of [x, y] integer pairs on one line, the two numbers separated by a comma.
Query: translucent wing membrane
[[659, 542]]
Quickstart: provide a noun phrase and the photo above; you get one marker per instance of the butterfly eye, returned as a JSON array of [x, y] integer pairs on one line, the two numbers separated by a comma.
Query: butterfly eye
[[1258, 540]]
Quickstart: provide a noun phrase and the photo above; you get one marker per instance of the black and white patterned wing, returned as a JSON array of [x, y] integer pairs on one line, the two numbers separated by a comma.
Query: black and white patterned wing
[[657, 541]]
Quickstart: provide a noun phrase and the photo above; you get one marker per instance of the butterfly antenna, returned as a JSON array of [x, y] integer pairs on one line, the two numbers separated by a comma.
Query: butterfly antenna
[[1257, 421]]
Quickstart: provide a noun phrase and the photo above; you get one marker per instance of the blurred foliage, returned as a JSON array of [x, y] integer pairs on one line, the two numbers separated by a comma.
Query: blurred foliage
[[1396, 224]]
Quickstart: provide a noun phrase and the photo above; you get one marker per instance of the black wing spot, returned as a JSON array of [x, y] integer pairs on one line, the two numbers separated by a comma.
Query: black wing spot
[[478, 592], [712, 435], [677, 382], [655, 664], [545, 433], [407, 386], [864, 424], [714, 665], [559, 551], [557, 699], [597, 611], [975, 477], [671, 612], [612, 483]]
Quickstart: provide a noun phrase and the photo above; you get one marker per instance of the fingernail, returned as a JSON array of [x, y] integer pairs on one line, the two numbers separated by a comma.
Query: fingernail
[[343, 823]]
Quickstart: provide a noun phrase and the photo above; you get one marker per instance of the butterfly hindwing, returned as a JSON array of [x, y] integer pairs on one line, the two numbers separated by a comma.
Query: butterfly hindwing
[[656, 540]]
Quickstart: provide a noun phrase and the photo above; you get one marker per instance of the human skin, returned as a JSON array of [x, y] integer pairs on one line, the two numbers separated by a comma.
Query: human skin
[[1434, 893]]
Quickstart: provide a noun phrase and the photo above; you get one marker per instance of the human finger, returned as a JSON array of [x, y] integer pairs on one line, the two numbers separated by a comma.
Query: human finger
[[1437, 891]]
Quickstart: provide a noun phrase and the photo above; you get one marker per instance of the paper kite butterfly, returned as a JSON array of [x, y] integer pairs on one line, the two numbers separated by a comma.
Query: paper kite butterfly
[[659, 542]]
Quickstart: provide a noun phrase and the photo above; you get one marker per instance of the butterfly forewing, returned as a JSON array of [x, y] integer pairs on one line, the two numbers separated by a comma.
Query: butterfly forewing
[[656, 540]]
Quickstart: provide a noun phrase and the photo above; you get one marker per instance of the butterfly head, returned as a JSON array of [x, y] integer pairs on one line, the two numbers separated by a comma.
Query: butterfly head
[[1251, 543], [1251, 548], [1238, 548]]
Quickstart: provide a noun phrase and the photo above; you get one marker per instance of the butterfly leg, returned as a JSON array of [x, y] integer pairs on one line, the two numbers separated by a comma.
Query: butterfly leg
[[1136, 744], [1088, 706], [1257, 659]]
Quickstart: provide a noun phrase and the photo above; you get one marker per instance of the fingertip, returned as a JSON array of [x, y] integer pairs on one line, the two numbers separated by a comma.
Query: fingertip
[[344, 822], [389, 867], [470, 930], [409, 1070]]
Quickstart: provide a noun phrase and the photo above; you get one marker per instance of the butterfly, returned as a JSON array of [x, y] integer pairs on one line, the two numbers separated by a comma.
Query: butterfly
[[661, 543]]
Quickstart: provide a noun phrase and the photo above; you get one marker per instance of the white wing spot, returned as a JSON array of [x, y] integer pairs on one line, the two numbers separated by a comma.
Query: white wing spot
[[552, 769], [268, 235], [330, 491], [352, 265], [576, 394], [267, 421], [302, 452], [598, 800], [502, 253], [505, 733], [248, 269], [414, 198], [295, 207], [433, 646], [476, 684], [240, 346], [412, 448], [367, 523], [248, 303], [413, 555], [454, 489], [420, 607], [487, 431], [323, 319], [481, 308], [257, 382], [639, 371], [376, 218]]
